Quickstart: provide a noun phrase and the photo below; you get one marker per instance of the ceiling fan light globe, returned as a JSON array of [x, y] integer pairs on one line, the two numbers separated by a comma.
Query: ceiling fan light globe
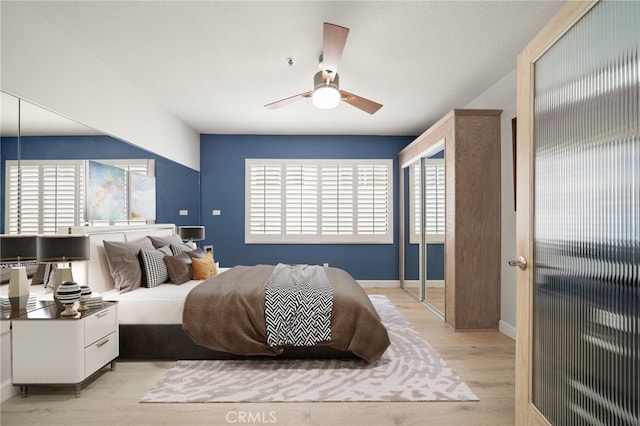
[[326, 97]]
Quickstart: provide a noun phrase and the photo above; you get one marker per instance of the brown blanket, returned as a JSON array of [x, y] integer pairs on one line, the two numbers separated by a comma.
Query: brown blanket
[[226, 313]]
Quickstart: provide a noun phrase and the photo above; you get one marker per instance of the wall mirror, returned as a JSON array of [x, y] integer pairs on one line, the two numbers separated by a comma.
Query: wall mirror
[[33, 133], [423, 189]]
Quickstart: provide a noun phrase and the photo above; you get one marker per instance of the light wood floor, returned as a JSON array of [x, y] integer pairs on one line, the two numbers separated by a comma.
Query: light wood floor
[[484, 360]]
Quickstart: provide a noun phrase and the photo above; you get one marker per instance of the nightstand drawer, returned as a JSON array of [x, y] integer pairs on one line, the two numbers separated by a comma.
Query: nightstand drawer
[[99, 325], [100, 353]]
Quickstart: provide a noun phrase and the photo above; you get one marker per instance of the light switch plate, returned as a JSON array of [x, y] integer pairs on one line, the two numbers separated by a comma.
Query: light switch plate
[[216, 212], [184, 212]]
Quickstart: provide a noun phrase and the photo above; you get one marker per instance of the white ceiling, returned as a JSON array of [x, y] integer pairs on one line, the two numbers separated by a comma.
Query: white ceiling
[[215, 64]]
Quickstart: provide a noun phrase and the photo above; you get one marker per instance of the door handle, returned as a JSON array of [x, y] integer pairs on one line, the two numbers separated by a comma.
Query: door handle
[[521, 263]]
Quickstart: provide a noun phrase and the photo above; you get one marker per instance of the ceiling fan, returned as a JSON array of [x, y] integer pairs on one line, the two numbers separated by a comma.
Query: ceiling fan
[[326, 91]]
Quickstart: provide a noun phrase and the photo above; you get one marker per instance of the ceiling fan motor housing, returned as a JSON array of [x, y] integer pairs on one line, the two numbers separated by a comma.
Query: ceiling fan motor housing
[[318, 81]]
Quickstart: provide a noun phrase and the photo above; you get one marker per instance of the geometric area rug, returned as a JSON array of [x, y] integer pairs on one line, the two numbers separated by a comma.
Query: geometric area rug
[[410, 370]]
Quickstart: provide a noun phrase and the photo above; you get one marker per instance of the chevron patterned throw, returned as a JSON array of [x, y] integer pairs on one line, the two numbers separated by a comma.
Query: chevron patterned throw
[[298, 304]]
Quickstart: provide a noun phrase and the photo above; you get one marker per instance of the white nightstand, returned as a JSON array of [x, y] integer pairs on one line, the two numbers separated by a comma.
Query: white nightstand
[[50, 349]]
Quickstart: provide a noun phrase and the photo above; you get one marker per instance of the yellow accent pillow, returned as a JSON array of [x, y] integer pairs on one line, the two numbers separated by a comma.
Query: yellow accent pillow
[[203, 268]]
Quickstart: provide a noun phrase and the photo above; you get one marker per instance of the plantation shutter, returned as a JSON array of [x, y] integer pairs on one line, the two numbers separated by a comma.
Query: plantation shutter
[[318, 201], [301, 200], [264, 199], [24, 196], [414, 203], [434, 200], [434, 188], [62, 196], [373, 192], [45, 195], [337, 199]]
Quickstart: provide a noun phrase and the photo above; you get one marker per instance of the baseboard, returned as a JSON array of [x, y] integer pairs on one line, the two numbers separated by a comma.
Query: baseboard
[[507, 329], [7, 390], [434, 283], [379, 283]]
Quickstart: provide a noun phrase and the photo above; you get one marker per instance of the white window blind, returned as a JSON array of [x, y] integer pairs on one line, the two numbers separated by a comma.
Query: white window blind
[[434, 201], [318, 201], [43, 195]]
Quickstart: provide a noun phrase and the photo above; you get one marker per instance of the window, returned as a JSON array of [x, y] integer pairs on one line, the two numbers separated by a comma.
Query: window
[[433, 201], [318, 201], [43, 195]]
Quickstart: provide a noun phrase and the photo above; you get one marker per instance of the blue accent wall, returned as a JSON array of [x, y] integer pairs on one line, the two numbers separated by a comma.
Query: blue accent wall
[[435, 261], [222, 177], [177, 186]]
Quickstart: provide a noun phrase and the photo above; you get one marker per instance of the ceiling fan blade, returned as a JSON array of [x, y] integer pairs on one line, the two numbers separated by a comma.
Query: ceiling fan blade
[[333, 43], [287, 101], [359, 102]]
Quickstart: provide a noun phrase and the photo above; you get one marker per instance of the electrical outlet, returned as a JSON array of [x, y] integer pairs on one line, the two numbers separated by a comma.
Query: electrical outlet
[[184, 212], [325, 264], [216, 212]]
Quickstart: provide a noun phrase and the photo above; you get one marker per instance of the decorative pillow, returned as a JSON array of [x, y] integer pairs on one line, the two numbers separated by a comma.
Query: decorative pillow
[[42, 274], [124, 264], [165, 241], [154, 271], [203, 268], [180, 248], [51, 282], [197, 253], [179, 268]]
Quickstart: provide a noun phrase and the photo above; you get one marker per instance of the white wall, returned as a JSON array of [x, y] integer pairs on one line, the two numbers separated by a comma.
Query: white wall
[[502, 95], [41, 64]]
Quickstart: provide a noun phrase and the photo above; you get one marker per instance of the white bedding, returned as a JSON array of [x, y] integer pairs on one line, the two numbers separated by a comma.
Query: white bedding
[[159, 305]]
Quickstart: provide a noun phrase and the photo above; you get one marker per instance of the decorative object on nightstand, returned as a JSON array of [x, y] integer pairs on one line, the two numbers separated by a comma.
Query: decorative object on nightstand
[[191, 234], [18, 248], [85, 295], [64, 249], [65, 296]]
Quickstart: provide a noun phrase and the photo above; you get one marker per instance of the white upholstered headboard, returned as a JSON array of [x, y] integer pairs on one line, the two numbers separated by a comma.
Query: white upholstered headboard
[[95, 272]]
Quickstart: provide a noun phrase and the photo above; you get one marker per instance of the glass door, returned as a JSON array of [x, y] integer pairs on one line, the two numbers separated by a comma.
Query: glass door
[[578, 346]]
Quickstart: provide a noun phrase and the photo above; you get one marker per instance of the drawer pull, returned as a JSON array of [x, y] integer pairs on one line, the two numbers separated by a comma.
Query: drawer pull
[[102, 314], [102, 342]]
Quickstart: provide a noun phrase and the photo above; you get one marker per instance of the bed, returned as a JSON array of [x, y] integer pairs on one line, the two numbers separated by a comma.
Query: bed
[[151, 319]]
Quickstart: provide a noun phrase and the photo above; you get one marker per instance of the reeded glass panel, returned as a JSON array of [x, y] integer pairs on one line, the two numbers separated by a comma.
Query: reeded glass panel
[[587, 221]]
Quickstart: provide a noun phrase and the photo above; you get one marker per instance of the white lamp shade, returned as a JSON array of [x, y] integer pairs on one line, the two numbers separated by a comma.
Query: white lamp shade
[[326, 97]]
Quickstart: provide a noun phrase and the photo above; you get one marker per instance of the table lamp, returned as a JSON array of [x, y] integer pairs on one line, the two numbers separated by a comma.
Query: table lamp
[[64, 249], [191, 234], [18, 248]]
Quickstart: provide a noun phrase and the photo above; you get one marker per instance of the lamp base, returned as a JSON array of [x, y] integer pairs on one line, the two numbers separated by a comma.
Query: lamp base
[[19, 302], [18, 288], [70, 311]]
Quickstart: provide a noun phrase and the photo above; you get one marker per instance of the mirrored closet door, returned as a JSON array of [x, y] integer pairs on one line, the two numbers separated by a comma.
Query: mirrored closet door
[[450, 218], [424, 213]]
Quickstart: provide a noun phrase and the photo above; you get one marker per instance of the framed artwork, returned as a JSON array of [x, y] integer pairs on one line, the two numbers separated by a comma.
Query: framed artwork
[[142, 196], [106, 192], [208, 250]]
